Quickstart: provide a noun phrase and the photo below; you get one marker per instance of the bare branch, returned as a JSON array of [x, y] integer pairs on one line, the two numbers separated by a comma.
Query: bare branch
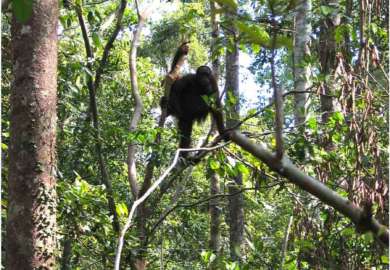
[[95, 119], [110, 43], [146, 195], [131, 149]]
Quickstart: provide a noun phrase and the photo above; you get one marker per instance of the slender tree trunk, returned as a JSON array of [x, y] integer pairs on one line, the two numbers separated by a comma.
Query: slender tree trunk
[[66, 253], [327, 55], [31, 223], [236, 202], [214, 210], [144, 209], [140, 261], [132, 171], [285, 241], [301, 69], [92, 86], [215, 215]]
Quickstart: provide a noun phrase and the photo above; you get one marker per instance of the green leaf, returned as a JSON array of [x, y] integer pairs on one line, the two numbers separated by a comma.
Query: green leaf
[[242, 168], [312, 123], [253, 33], [325, 10], [4, 147], [256, 48], [96, 40], [338, 117], [121, 209], [385, 259], [22, 9], [214, 165], [348, 232], [283, 41], [251, 112]]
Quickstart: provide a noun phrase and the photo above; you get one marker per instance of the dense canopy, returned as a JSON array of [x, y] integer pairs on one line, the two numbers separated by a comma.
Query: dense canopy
[[296, 179]]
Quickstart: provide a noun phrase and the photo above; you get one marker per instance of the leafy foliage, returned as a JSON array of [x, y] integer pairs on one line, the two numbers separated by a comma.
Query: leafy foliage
[[347, 152]]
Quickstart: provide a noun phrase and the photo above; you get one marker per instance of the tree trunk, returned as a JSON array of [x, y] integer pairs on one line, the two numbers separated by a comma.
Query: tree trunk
[[31, 223], [66, 253], [301, 69], [285, 241], [215, 215], [92, 87], [214, 210], [235, 204], [327, 56]]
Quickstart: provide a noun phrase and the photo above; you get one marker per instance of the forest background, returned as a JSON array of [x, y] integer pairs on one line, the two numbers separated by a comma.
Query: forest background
[[83, 139]]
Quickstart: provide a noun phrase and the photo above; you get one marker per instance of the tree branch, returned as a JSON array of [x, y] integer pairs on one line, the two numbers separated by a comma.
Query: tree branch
[[110, 43], [286, 168], [145, 196], [95, 119]]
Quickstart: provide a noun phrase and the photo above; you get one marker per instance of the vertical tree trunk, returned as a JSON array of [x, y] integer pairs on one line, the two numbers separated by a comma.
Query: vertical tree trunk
[[327, 55], [235, 204], [92, 87], [215, 213], [144, 209], [67, 252], [31, 223], [285, 241], [301, 49]]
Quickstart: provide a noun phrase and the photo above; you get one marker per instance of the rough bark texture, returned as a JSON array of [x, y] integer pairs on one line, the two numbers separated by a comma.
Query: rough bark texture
[[31, 223], [327, 55], [236, 210], [301, 49]]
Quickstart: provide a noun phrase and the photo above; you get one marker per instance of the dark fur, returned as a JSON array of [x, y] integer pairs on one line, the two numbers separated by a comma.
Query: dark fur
[[185, 101]]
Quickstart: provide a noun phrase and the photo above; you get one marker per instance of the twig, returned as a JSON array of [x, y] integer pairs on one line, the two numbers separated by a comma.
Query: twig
[[110, 43], [163, 217], [145, 196]]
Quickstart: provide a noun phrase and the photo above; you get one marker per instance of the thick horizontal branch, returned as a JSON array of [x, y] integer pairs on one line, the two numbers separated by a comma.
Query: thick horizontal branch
[[362, 218]]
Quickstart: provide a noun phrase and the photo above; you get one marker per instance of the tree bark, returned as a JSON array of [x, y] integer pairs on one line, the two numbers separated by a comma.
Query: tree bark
[[327, 56], [214, 209], [285, 241], [66, 252], [301, 50], [360, 216], [143, 210], [215, 215], [236, 202], [31, 224], [132, 170]]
